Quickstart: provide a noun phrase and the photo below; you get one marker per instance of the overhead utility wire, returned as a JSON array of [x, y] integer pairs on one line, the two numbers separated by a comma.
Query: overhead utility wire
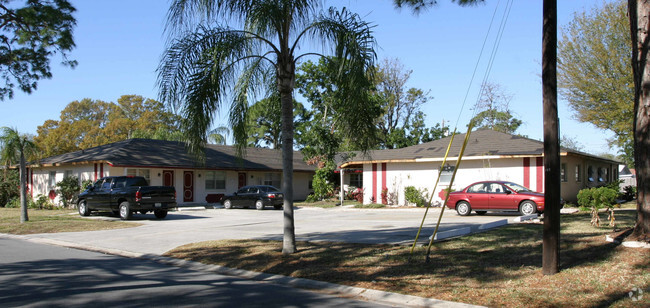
[[489, 68]]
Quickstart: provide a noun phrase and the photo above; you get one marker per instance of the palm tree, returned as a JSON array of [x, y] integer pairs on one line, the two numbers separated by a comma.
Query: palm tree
[[16, 147], [207, 63]]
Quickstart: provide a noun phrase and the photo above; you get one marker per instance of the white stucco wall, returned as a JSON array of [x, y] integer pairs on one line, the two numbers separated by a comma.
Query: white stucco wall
[[423, 175], [41, 179]]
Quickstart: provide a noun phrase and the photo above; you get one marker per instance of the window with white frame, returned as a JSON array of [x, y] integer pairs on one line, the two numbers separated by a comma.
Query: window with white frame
[[356, 179], [563, 175], [273, 179], [52, 180], [145, 173], [215, 180], [578, 174]]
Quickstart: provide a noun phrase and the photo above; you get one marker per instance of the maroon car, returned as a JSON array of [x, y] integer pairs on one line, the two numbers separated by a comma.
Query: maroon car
[[495, 196]]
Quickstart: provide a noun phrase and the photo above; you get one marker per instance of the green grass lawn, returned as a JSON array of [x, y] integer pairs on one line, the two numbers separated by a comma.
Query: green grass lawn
[[52, 221], [501, 267]]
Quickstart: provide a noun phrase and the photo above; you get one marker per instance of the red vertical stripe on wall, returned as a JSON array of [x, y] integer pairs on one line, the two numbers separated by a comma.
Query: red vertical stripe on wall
[[101, 170], [540, 174], [374, 182], [527, 172], [95, 179], [383, 183]]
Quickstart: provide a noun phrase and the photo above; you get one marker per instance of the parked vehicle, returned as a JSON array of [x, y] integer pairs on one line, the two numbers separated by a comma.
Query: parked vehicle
[[258, 196], [124, 195], [496, 196]]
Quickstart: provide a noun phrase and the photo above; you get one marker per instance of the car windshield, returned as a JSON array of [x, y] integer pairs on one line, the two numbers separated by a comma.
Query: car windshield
[[517, 187]]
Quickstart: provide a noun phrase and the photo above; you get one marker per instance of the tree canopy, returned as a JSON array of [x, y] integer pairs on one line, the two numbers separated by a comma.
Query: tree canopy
[[29, 37], [238, 51], [493, 110], [594, 73], [88, 123]]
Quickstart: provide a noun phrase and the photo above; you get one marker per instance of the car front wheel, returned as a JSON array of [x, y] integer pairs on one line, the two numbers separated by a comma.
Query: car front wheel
[[227, 204], [125, 211], [528, 208], [463, 208], [83, 208], [259, 205]]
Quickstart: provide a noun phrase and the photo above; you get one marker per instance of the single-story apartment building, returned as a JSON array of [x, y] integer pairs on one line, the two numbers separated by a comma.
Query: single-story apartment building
[[168, 163], [489, 155]]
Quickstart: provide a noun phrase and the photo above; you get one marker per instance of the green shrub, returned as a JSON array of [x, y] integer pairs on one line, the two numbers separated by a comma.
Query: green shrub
[[9, 186], [41, 202], [629, 192], [323, 188], [415, 196], [597, 198], [68, 189], [13, 203]]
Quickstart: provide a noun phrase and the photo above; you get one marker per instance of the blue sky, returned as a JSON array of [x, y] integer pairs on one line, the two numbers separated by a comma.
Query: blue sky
[[119, 44]]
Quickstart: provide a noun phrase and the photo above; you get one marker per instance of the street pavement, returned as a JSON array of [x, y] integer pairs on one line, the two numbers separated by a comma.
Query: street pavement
[[146, 243], [37, 275]]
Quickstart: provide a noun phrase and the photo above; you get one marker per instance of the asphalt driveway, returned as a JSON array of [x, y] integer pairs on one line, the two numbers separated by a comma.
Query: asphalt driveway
[[381, 226]]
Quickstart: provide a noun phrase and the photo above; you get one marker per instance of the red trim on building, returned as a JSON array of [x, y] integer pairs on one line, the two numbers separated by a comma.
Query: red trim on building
[[527, 172], [95, 179], [101, 170], [540, 174], [374, 183], [384, 199]]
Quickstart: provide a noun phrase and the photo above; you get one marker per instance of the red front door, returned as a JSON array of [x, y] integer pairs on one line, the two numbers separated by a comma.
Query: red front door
[[188, 186], [242, 180], [168, 178]]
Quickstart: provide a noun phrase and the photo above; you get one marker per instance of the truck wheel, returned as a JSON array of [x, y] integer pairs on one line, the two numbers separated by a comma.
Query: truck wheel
[[227, 204], [160, 214], [259, 205], [125, 211], [83, 208]]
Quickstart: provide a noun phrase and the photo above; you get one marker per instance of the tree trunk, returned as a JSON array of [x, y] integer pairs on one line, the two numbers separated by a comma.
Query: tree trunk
[[551, 236], [286, 78], [639, 14], [23, 189]]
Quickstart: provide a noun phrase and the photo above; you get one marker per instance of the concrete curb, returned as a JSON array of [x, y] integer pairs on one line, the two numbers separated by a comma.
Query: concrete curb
[[370, 295]]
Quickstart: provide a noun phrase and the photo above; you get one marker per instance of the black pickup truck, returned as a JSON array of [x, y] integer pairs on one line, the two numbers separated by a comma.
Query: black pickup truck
[[125, 195]]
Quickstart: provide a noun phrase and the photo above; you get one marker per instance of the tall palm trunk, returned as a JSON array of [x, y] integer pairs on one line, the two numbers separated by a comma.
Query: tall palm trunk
[[639, 12], [23, 189], [286, 81]]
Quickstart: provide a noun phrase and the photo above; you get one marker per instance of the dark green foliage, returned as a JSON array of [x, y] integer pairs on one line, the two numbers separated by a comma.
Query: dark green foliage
[[594, 74], [9, 183], [415, 196], [30, 36], [68, 189], [323, 187], [600, 197], [629, 192]]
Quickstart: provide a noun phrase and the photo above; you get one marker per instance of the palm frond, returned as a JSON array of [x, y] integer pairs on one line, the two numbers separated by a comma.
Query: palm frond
[[246, 90]]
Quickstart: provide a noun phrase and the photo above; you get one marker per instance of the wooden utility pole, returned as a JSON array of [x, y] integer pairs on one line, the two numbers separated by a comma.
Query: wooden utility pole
[[551, 250]]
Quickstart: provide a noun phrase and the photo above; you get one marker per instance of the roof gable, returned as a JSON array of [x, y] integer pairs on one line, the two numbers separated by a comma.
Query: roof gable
[[482, 142]]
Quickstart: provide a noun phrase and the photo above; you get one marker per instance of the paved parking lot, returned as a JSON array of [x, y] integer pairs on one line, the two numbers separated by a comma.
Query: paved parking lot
[[389, 226]]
